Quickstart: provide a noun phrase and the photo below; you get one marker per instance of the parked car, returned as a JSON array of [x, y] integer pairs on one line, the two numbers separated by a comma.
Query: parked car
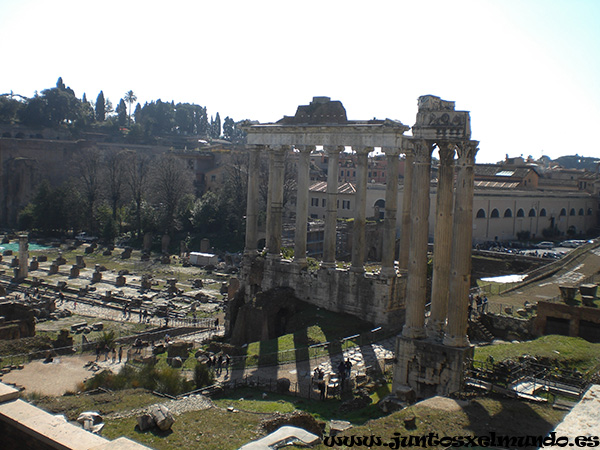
[[545, 244]]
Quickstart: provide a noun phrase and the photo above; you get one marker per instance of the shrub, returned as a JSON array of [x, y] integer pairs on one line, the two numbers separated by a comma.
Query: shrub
[[203, 376]]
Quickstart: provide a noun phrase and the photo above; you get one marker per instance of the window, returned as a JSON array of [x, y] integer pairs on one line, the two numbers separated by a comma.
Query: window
[[572, 212], [589, 211], [213, 178], [314, 201], [543, 212], [345, 204], [508, 213], [520, 213], [323, 202], [353, 173], [495, 214], [481, 214], [581, 213], [532, 212], [563, 212]]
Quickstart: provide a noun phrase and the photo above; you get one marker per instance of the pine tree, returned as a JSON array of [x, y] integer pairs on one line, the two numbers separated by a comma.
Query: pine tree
[[100, 107]]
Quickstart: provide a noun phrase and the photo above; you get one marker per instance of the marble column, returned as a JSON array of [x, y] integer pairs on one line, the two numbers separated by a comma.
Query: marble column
[[302, 204], [460, 272], [276, 204], [416, 285], [406, 206], [442, 242], [269, 151], [391, 207], [252, 201], [23, 255], [329, 238], [360, 207]]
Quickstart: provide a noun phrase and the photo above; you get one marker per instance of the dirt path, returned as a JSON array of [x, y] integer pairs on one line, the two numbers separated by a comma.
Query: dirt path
[[63, 374]]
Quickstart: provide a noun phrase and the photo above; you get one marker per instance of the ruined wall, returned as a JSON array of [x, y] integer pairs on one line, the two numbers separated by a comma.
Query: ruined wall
[[374, 299], [558, 318]]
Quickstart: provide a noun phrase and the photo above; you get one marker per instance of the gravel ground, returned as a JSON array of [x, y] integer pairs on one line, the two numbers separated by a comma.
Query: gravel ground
[[195, 402]]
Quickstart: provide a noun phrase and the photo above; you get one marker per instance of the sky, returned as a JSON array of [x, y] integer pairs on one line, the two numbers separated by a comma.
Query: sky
[[527, 70]]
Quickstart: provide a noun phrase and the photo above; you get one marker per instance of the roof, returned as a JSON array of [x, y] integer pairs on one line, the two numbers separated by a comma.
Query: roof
[[497, 170], [496, 184], [344, 188]]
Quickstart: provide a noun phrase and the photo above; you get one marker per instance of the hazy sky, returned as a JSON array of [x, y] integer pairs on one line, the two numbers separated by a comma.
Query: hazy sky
[[527, 70]]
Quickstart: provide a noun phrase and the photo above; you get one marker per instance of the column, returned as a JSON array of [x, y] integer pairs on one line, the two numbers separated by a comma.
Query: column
[[269, 196], [252, 201], [360, 215], [276, 197], [329, 238], [406, 206], [416, 284], [460, 272], [391, 207], [302, 204], [442, 242]]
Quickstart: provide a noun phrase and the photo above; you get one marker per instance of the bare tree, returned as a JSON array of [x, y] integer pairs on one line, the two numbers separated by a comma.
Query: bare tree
[[171, 181], [114, 172], [90, 181], [137, 174]]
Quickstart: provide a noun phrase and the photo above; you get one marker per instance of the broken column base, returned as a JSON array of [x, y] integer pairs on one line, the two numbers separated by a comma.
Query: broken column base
[[429, 368]]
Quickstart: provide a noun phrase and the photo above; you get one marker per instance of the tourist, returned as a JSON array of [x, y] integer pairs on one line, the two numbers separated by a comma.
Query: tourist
[[348, 367], [484, 304]]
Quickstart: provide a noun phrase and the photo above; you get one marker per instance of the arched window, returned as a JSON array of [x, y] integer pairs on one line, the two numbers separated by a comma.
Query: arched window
[[563, 212], [520, 213], [532, 212], [481, 214], [380, 203], [581, 213], [572, 212], [495, 214], [508, 212], [543, 212]]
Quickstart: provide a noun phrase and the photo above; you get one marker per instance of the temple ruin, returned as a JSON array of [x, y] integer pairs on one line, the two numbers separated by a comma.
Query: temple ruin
[[430, 355]]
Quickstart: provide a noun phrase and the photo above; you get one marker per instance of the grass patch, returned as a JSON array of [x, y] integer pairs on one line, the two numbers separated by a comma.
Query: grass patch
[[572, 352]]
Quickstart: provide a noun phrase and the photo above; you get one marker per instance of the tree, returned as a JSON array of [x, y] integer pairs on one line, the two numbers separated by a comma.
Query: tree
[[90, 182], [171, 180], [215, 127], [114, 174], [100, 107], [137, 171], [121, 113], [130, 98]]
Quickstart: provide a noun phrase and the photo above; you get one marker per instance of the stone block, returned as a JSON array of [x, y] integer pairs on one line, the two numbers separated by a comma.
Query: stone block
[[126, 254], [163, 417], [34, 264], [96, 277], [120, 281], [42, 258], [14, 262], [74, 273], [53, 269], [80, 262], [89, 250]]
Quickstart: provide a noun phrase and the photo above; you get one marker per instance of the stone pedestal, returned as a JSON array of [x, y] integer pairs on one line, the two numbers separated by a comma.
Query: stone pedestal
[[96, 276], [89, 250], [120, 281], [60, 260], [14, 262], [53, 269], [430, 368], [74, 271], [80, 262], [146, 283], [172, 285], [34, 264], [126, 254]]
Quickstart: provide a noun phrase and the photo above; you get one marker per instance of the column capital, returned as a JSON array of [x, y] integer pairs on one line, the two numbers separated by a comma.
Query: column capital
[[391, 151], [305, 148], [446, 150], [408, 147], [466, 151], [333, 149], [362, 150], [423, 149]]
